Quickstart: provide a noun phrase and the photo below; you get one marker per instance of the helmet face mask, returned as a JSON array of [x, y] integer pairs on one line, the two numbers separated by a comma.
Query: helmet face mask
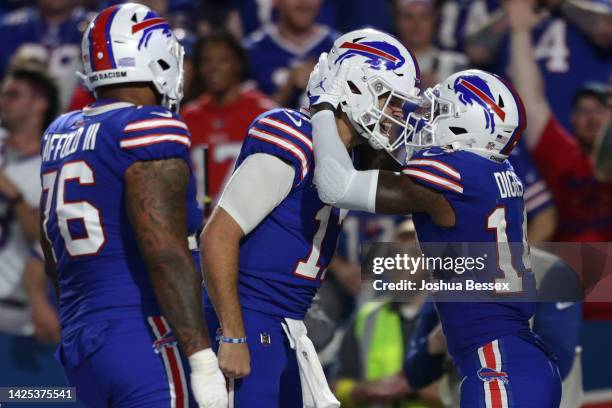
[[130, 43], [171, 92], [383, 122], [425, 117]]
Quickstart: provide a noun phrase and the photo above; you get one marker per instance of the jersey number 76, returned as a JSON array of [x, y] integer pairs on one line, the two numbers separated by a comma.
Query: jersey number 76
[[72, 211]]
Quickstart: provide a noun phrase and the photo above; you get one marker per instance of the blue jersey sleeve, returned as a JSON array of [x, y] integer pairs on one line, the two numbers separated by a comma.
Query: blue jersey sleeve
[[433, 168], [537, 196], [420, 367], [285, 134], [154, 133]]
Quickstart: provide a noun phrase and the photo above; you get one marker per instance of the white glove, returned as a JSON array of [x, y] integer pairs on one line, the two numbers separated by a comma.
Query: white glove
[[207, 381], [326, 83]]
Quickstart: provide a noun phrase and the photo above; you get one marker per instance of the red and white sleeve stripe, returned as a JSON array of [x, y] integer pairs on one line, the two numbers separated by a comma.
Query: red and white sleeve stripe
[[436, 164], [434, 179], [149, 124], [277, 124], [142, 141], [284, 144]]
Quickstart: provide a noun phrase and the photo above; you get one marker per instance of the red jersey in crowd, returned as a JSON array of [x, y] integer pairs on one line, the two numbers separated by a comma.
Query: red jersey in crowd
[[80, 99], [221, 129], [584, 203]]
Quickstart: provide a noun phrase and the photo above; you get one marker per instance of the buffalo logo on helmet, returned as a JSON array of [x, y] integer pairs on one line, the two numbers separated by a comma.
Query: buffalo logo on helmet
[[151, 22], [487, 374], [472, 90], [380, 54]]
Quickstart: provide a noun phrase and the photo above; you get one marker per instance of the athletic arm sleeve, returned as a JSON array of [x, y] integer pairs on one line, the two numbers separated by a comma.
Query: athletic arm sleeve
[[337, 181], [257, 186]]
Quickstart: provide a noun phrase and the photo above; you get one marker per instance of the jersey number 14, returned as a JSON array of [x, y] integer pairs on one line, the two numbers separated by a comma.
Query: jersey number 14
[[496, 222]]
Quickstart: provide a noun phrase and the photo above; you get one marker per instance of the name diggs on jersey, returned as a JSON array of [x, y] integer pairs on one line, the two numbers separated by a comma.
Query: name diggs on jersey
[[58, 146], [508, 184]]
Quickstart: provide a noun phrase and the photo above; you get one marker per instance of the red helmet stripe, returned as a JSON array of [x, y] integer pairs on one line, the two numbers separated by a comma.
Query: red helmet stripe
[[371, 50], [101, 51], [147, 23], [485, 98]]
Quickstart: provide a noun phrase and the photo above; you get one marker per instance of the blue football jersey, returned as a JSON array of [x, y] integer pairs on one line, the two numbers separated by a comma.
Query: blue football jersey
[[85, 156], [487, 198], [270, 57], [283, 260]]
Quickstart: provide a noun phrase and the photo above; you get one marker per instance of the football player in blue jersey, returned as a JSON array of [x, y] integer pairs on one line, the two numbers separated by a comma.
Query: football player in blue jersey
[[557, 323], [269, 241], [461, 190], [118, 225]]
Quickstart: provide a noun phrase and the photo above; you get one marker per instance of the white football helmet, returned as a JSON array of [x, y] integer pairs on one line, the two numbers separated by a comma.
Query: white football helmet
[[131, 43], [376, 64], [471, 110]]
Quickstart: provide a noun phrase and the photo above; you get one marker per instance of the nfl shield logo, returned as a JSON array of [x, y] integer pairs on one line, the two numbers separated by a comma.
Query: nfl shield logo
[[265, 339]]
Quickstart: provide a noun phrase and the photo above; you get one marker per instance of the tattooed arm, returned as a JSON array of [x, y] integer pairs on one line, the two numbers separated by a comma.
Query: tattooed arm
[[156, 207]]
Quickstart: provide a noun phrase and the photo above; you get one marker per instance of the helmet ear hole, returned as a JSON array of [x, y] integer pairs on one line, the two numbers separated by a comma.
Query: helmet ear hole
[[457, 130], [353, 88], [163, 64]]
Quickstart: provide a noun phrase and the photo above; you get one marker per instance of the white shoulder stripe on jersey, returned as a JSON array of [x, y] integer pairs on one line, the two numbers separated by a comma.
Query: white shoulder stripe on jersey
[[153, 139], [283, 144], [154, 123], [432, 178], [287, 129], [97, 110], [534, 189], [538, 200], [436, 164]]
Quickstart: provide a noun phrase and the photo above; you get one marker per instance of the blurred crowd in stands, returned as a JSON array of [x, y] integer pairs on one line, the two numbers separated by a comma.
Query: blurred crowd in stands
[[244, 57]]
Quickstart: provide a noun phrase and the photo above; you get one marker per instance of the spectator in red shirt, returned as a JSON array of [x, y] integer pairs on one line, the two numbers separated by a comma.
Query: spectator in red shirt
[[218, 120], [566, 163]]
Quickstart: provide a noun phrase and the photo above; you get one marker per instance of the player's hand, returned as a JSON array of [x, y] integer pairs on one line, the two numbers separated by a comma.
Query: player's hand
[[46, 322], [207, 381], [325, 85], [521, 15], [234, 360]]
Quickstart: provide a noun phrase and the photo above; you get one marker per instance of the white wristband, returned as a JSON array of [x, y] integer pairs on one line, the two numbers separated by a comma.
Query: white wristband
[[204, 361]]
